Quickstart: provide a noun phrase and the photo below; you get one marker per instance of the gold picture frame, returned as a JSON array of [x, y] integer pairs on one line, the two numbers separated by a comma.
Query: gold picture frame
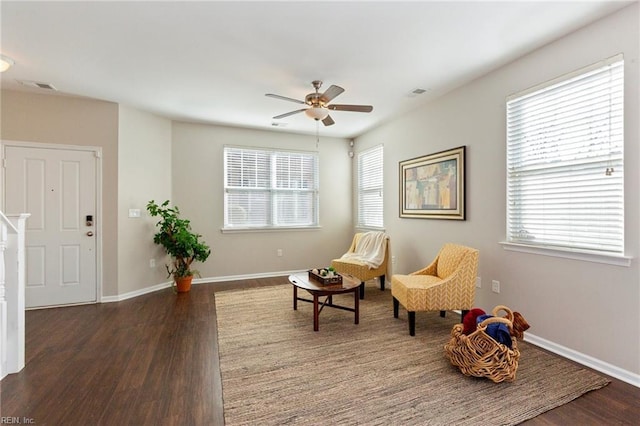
[[433, 186]]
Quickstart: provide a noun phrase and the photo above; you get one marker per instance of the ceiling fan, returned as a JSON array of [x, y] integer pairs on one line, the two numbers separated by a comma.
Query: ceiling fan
[[318, 106]]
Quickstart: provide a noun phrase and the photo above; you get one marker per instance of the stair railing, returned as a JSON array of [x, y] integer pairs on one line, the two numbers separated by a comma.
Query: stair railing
[[12, 295]]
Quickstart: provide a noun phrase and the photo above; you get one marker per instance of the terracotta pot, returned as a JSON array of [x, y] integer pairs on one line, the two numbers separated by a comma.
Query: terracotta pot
[[183, 284]]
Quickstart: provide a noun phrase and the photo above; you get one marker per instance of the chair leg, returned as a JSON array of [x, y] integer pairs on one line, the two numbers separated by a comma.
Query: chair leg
[[443, 313], [396, 306], [464, 313], [412, 323], [362, 290], [381, 282]]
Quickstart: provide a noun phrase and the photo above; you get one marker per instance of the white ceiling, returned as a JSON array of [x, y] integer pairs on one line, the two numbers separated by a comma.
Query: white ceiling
[[213, 62]]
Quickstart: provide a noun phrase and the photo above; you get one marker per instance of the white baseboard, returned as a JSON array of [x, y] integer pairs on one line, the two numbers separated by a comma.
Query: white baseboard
[[586, 360], [207, 280], [135, 293], [244, 277]]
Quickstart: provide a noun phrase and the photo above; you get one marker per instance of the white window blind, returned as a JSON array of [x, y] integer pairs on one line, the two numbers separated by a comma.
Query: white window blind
[[565, 186], [270, 189], [370, 185]]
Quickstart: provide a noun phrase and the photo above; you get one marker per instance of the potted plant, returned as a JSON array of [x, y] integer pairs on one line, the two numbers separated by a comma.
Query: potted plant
[[180, 242]]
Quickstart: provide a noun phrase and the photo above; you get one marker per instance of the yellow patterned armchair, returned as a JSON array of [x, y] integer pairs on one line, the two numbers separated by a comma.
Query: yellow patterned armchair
[[449, 282], [359, 269]]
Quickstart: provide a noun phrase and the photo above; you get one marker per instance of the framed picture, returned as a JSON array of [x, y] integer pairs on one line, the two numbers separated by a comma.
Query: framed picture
[[432, 187]]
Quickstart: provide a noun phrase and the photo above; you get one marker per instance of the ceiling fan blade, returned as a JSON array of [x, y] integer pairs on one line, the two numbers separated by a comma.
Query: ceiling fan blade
[[331, 93], [328, 121], [356, 108], [286, 114], [284, 98]]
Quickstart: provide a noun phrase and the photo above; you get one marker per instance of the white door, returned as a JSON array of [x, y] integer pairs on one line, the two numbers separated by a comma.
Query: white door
[[58, 188]]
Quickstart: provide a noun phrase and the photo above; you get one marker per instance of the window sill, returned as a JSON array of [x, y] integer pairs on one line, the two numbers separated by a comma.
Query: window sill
[[269, 229], [369, 228], [586, 256]]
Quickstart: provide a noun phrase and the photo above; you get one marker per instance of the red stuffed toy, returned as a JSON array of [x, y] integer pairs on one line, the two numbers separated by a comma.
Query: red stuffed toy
[[469, 320]]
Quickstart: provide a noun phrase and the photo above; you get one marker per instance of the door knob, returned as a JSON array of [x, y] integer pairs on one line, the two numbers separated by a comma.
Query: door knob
[[90, 234]]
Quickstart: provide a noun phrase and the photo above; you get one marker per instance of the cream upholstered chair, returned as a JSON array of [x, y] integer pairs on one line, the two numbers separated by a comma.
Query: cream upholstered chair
[[359, 269], [449, 282]]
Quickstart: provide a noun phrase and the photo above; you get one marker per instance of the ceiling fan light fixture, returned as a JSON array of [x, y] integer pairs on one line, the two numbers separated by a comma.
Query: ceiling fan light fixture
[[317, 105], [317, 112], [5, 63]]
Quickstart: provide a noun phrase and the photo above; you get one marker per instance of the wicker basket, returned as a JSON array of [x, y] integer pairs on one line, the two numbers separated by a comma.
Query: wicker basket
[[479, 355]]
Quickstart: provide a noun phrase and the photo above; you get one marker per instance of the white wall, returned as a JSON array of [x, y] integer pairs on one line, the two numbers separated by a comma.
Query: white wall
[[198, 191], [31, 117], [144, 156], [587, 307], [144, 172]]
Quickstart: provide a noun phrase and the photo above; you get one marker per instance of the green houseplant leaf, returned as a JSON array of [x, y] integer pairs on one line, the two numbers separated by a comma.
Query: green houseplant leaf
[[179, 241]]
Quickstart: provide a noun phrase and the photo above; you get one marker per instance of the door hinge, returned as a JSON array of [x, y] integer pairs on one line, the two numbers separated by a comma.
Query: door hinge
[[98, 154]]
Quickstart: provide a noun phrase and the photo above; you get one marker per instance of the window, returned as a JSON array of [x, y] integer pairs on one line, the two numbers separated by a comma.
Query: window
[[370, 194], [565, 186], [270, 189]]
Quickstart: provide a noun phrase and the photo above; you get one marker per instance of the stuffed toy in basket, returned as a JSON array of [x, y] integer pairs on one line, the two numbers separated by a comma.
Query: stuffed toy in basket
[[480, 355]]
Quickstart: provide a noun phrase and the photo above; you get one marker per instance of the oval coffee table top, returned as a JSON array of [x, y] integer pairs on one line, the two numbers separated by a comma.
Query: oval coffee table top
[[302, 280]]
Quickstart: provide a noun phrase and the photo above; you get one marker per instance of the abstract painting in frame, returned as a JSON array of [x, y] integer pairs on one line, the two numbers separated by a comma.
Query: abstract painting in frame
[[432, 186]]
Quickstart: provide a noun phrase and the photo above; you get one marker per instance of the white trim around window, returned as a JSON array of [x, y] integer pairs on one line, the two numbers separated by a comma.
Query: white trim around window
[[270, 190], [370, 188], [565, 166]]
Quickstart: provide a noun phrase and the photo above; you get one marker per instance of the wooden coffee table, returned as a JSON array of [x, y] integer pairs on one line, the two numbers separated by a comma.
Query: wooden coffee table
[[349, 285]]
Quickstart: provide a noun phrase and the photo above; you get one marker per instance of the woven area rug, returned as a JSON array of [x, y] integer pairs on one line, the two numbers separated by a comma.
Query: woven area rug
[[276, 370]]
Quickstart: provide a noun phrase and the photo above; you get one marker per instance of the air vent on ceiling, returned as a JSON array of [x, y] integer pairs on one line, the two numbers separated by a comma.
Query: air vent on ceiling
[[37, 84], [416, 92]]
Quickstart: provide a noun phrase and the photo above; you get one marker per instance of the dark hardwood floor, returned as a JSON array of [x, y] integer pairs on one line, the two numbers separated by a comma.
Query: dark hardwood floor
[[153, 360]]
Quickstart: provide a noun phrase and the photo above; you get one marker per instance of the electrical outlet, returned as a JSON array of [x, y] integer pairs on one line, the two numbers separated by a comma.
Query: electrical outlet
[[279, 252], [495, 286], [478, 282], [393, 260], [152, 263]]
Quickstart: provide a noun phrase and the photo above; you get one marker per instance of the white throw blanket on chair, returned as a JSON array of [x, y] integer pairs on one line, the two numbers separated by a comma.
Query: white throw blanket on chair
[[370, 249]]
